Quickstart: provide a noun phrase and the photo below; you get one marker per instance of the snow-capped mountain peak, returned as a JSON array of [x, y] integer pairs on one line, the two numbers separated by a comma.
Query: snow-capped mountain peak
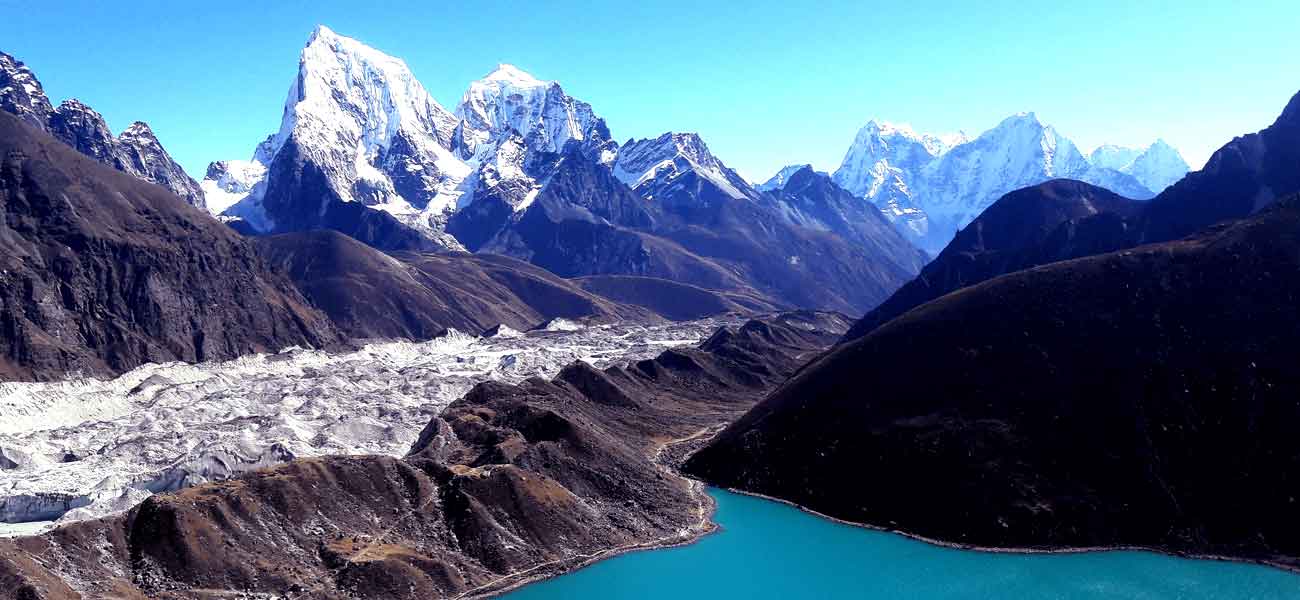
[[781, 177], [933, 185], [21, 93], [377, 135], [229, 181], [655, 163], [886, 129], [510, 98], [1019, 151], [345, 84], [1157, 166], [935, 144], [1111, 156], [514, 76], [881, 163]]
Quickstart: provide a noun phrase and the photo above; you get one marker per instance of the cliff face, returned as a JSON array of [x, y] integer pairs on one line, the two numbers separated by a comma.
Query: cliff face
[[1143, 397], [510, 483], [103, 272]]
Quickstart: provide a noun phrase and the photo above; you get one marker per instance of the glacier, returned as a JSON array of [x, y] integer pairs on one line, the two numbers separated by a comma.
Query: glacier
[[81, 448]]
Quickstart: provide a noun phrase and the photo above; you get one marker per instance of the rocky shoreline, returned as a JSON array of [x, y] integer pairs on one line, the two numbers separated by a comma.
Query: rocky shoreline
[[668, 456]]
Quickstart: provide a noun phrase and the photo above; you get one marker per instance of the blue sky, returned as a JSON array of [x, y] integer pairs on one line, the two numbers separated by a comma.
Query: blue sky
[[765, 83]]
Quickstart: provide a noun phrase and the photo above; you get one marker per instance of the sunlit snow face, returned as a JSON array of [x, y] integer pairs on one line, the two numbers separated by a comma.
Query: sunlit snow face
[[86, 447]]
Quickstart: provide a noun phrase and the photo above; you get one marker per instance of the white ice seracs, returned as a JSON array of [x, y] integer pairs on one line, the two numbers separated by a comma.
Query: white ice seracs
[[86, 447]]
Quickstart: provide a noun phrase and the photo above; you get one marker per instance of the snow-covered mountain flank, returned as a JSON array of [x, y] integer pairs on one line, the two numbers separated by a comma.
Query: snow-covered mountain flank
[[509, 100], [933, 185], [655, 167], [371, 134]]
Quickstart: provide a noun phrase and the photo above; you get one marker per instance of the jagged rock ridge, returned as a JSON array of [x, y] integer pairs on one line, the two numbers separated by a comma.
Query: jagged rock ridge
[[136, 151], [103, 272]]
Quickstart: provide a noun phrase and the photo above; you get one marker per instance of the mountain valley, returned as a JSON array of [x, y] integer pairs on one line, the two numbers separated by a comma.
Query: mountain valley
[[406, 349]]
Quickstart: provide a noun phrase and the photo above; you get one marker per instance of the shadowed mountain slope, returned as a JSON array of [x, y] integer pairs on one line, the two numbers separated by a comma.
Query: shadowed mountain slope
[[103, 272], [1144, 397], [672, 300], [418, 296], [1052, 221]]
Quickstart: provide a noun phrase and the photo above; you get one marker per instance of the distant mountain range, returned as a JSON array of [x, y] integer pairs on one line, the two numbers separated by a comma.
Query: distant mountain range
[[521, 168], [1085, 363], [934, 185], [1156, 167], [1060, 219]]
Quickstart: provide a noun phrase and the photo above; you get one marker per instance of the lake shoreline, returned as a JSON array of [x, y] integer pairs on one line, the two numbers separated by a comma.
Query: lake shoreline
[[675, 451], [1293, 569], [671, 454]]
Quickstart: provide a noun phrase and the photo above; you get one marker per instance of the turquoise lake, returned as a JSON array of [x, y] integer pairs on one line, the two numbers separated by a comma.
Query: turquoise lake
[[770, 550]]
